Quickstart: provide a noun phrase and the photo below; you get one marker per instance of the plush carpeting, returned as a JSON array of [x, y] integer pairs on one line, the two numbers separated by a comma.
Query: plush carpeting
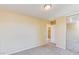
[[48, 49]]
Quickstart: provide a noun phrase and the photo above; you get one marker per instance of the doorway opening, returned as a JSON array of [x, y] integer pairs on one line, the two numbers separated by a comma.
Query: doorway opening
[[51, 33]]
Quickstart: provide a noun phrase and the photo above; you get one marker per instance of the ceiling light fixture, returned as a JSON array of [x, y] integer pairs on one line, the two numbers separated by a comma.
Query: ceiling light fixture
[[47, 6]]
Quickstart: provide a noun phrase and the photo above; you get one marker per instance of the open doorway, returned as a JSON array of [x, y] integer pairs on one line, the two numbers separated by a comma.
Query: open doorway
[[51, 33]]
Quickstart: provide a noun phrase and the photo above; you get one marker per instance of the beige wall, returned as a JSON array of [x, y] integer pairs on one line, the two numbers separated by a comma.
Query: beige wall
[[19, 32], [61, 32], [73, 36]]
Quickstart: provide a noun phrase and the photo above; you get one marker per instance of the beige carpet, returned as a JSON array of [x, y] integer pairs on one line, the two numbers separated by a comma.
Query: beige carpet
[[48, 49]]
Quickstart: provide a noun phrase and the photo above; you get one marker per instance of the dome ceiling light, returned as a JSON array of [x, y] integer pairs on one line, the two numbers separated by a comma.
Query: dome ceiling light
[[47, 6]]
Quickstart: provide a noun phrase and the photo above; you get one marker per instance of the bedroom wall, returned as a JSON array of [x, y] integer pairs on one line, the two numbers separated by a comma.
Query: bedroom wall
[[73, 33], [19, 32], [61, 32], [73, 36]]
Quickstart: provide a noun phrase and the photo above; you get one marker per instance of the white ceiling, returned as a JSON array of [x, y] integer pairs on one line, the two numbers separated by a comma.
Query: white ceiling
[[36, 11]]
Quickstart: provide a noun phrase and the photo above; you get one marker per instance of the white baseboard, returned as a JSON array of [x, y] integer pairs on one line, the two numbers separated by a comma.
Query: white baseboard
[[60, 47], [23, 49]]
